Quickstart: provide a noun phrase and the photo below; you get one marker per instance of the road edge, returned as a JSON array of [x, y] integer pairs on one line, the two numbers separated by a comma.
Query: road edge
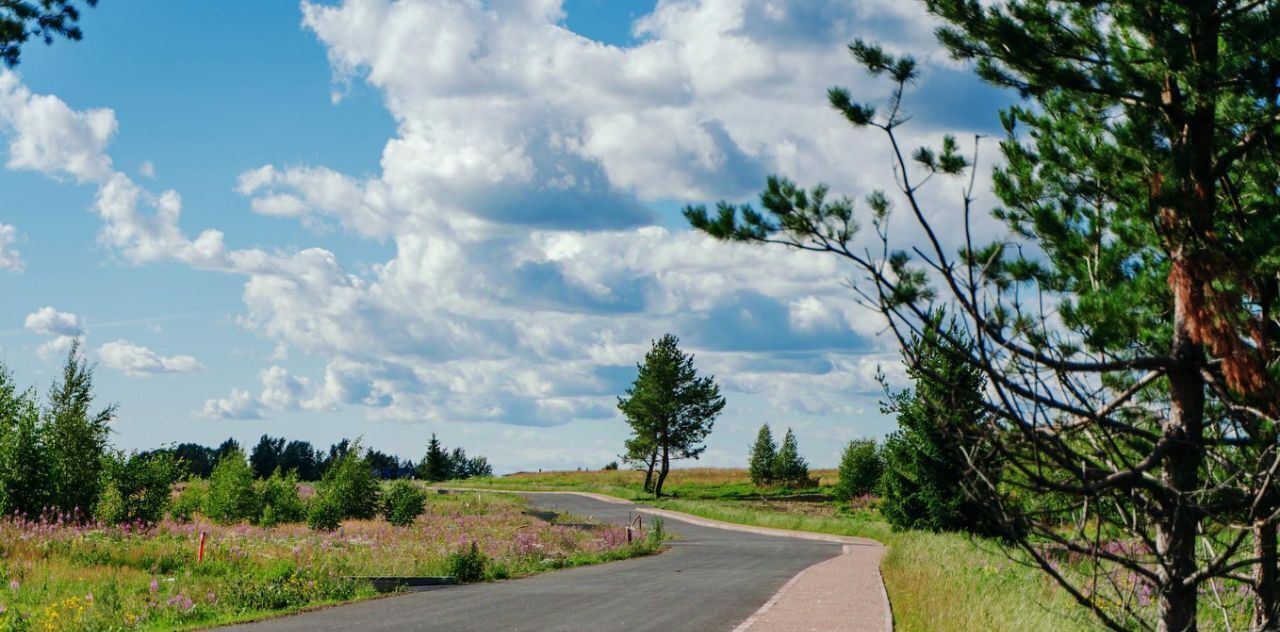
[[733, 526]]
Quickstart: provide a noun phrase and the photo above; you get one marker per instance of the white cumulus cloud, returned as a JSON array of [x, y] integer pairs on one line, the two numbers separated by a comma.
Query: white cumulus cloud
[[139, 361], [10, 259], [529, 272], [48, 320]]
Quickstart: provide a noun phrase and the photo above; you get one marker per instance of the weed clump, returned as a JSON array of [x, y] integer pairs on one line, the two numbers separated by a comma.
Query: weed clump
[[468, 565]]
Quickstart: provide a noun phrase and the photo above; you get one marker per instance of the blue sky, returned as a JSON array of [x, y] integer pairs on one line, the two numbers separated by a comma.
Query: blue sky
[[386, 219]]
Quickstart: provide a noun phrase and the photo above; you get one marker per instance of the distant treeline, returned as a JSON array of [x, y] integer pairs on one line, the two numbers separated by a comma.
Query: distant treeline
[[309, 463]]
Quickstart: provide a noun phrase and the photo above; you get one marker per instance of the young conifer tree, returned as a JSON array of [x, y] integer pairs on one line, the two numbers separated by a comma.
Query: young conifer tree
[[763, 453], [789, 468]]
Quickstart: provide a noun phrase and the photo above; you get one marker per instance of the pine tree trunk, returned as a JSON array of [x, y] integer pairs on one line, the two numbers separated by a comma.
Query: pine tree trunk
[[648, 475], [1265, 611], [662, 475], [1177, 524]]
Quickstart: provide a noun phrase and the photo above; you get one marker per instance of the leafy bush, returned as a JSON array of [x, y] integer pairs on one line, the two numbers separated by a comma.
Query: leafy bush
[[324, 513], [232, 496], [404, 503], [351, 484], [789, 468], [188, 501], [610, 466], [23, 458], [860, 468], [136, 487], [763, 454], [280, 501], [468, 565]]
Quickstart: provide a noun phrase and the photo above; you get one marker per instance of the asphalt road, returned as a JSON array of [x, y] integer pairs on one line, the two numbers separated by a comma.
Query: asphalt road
[[711, 579]]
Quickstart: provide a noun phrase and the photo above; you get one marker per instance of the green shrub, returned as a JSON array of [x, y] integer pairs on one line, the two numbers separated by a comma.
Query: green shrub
[[351, 484], [188, 502], [136, 487], [860, 468], [324, 513], [232, 496], [404, 503], [468, 565], [281, 503]]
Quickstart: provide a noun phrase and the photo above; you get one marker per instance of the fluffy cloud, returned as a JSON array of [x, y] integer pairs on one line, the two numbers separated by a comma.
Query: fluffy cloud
[[240, 405], [138, 361], [51, 137], [528, 273], [63, 327], [50, 321], [10, 259]]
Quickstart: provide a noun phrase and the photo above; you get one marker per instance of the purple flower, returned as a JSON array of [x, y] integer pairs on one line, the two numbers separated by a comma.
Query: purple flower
[[14, 585], [155, 586], [181, 602]]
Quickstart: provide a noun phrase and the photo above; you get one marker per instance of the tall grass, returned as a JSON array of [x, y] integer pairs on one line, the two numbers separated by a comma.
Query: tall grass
[[697, 482], [66, 576], [937, 582]]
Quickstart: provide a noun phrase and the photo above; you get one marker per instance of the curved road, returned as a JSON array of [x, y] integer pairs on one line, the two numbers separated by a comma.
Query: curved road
[[711, 579]]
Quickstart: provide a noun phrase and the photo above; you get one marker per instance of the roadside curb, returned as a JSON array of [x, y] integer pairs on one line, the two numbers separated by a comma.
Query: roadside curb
[[847, 541]]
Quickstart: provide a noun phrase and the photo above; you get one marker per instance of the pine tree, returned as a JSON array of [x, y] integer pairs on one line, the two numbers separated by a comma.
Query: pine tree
[[789, 468], [669, 407], [435, 465], [45, 20], [1126, 317], [923, 483], [763, 453]]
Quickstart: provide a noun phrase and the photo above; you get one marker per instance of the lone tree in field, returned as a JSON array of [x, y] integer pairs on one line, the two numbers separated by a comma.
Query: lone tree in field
[[669, 407], [20, 20], [763, 452], [1126, 318]]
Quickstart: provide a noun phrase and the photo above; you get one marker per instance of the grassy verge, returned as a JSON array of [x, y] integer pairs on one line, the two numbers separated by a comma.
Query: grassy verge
[[57, 576], [704, 483], [936, 582], [942, 582]]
